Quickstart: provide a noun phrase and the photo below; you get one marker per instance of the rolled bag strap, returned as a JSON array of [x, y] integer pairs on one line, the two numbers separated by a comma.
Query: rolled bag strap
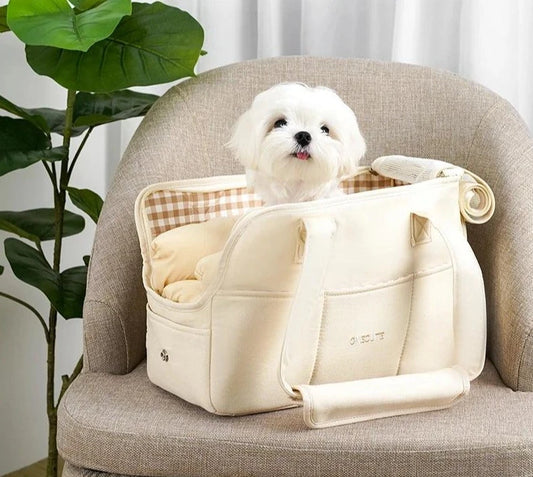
[[476, 199], [334, 404]]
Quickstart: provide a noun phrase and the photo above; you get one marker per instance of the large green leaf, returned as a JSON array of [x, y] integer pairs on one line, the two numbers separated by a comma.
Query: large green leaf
[[43, 118], [92, 109], [73, 286], [87, 200], [21, 135], [39, 224], [12, 227], [55, 120], [22, 144], [30, 266], [66, 290], [82, 5], [46, 119], [55, 23], [156, 44], [3, 19], [13, 160]]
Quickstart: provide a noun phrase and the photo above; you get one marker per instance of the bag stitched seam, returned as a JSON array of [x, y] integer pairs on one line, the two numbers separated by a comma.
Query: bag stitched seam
[[365, 287], [319, 341], [409, 319]]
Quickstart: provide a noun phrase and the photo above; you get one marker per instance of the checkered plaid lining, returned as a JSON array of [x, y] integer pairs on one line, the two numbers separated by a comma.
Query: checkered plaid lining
[[167, 209]]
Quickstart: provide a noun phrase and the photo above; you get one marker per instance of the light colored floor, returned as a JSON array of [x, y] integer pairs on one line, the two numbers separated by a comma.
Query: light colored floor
[[35, 470]]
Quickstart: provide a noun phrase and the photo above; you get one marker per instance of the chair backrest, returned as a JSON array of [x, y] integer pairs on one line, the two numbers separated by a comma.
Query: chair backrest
[[402, 109]]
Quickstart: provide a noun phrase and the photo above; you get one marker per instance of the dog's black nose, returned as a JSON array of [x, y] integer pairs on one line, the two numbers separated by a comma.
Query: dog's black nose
[[303, 138]]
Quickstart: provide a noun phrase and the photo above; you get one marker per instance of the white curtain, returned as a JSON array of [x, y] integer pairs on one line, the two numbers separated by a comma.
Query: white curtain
[[487, 41]]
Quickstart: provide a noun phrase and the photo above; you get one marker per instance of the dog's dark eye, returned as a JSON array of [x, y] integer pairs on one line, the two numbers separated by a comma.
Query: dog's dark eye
[[280, 123], [325, 129]]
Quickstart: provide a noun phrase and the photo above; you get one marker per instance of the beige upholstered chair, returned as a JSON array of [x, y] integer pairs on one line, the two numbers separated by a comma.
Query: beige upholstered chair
[[114, 421]]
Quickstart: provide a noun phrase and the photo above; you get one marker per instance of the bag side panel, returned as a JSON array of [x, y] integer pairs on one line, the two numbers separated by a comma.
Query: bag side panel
[[178, 359]]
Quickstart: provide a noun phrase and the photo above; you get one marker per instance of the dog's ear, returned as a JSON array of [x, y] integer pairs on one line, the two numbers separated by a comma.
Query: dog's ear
[[354, 150], [243, 142]]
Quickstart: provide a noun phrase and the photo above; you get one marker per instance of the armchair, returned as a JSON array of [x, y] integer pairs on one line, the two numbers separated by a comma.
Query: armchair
[[113, 421]]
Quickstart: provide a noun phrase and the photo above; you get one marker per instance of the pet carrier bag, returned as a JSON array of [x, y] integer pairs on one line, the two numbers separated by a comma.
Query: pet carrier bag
[[357, 307]]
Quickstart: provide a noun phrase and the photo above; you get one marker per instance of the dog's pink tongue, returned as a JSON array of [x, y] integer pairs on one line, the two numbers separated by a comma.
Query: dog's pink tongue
[[302, 155]]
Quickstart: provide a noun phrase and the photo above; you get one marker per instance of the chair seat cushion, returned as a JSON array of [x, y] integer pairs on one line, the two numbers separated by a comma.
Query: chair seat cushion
[[124, 424]]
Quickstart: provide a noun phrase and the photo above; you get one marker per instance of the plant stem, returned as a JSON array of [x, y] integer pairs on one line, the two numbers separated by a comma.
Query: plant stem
[[59, 206], [89, 131], [54, 175], [33, 310], [67, 133], [67, 380], [51, 174], [51, 469]]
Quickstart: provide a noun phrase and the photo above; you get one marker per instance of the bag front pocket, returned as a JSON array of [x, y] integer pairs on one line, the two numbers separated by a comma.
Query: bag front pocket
[[403, 326], [178, 359]]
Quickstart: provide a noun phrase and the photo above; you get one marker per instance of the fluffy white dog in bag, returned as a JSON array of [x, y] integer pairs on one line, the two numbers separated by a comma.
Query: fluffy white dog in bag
[[297, 143]]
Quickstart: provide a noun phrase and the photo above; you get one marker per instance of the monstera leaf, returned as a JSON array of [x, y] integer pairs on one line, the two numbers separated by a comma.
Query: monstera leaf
[[66, 290], [55, 23], [156, 44]]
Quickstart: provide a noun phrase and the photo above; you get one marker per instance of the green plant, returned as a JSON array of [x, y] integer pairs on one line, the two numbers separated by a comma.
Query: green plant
[[95, 49]]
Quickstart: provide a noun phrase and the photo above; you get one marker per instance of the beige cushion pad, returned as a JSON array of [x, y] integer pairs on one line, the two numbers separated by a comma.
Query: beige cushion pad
[[175, 253]]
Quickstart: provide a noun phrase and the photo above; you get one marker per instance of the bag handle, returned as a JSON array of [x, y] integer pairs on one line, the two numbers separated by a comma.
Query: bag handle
[[333, 404], [307, 303]]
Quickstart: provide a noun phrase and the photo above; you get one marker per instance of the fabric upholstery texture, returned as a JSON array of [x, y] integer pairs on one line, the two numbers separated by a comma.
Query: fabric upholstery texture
[[126, 425]]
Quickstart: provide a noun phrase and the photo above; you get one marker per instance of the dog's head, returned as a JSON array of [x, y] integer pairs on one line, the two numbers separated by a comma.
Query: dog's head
[[293, 132]]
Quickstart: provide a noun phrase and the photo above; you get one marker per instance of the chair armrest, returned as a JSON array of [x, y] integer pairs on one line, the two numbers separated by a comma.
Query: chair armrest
[[502, 153], [114, 314]]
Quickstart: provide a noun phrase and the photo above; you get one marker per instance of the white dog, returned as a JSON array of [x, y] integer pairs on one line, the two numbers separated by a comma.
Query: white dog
[[297, 143]]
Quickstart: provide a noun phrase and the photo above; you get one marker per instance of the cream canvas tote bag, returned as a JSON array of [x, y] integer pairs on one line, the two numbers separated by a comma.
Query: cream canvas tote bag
[[357, 307]]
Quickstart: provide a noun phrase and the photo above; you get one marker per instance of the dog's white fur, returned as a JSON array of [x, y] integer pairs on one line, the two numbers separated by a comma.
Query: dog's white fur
[[268, 152]]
